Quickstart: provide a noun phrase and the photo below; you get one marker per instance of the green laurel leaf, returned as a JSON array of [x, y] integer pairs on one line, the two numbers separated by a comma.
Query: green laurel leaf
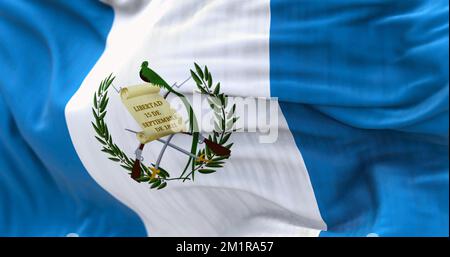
[[199, 70], [206, 171], [214, 165], [163, 185], [217, 89], [196, 78], [156, 183]]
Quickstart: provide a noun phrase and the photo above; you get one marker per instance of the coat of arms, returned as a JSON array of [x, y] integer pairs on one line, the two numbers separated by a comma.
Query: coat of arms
[[159, 122]]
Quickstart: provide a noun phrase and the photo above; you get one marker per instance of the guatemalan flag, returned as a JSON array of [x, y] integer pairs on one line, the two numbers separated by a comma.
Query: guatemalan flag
[[358, 90]]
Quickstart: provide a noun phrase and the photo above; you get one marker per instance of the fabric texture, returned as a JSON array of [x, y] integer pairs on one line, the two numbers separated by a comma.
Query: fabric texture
[[362, 84], [47, 48]]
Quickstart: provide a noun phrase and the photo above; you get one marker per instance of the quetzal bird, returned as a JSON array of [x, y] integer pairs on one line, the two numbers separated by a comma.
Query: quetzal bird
[[150, 76]]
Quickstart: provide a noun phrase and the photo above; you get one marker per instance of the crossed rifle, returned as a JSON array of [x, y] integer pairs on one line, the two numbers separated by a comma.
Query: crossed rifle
[[214, 147]]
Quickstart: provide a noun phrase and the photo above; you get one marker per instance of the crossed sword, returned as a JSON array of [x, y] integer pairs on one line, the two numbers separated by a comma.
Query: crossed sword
[[136, 171]]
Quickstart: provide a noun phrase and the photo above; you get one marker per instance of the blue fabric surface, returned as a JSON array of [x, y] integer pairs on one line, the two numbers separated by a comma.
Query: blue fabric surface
[[363, 85], [364, 88], [46, 50]]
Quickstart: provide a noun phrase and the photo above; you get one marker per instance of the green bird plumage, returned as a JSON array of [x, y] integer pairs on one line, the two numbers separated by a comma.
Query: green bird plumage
[[148, 75]]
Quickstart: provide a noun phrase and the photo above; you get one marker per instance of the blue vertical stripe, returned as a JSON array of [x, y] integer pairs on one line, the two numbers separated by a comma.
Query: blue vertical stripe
[[363, 85], [46, 50]]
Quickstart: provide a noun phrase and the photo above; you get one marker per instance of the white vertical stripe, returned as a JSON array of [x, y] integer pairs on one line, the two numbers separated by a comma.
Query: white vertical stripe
[[264, 189]]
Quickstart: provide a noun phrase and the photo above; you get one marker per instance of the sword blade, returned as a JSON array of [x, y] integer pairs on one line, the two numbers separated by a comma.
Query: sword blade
[[161, 153], [177, 148]]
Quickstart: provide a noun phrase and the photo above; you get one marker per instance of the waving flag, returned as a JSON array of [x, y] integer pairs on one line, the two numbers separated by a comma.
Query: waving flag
[[359, 90]]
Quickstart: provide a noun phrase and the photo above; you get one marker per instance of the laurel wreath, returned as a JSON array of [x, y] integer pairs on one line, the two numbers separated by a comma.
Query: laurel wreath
[[207, 161]]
